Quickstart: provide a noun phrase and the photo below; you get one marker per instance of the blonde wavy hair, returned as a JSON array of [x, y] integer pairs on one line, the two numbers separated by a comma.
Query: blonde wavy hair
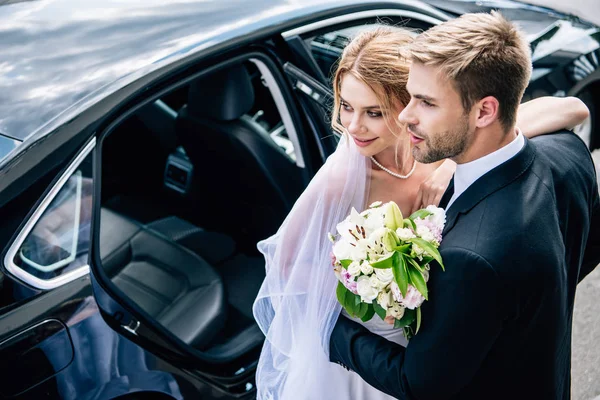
[[378, 58]]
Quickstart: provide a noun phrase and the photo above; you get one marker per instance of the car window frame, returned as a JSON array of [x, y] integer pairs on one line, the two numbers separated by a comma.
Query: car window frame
[[330, 24], [15, 246]]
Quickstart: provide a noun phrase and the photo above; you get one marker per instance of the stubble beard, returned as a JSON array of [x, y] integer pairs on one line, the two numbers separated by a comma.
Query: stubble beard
[[448, 144]]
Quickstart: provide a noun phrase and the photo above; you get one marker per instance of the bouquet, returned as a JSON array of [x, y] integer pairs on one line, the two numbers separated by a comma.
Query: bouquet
[[382, 262]]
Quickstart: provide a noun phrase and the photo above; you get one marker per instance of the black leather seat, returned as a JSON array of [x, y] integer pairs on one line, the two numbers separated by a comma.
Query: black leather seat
[[171, 283], [246, 183]]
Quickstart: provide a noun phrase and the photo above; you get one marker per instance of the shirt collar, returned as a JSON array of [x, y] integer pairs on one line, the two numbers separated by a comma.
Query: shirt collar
[[466, 174]]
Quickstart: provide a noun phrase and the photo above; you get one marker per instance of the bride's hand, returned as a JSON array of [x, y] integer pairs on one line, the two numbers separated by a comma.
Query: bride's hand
[[390, 320], [432, 189]]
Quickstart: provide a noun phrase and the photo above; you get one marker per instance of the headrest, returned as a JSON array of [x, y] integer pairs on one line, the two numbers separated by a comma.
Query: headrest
[[224, 95]]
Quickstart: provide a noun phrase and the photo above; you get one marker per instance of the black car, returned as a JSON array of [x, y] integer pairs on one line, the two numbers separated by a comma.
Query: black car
[[153, 144]]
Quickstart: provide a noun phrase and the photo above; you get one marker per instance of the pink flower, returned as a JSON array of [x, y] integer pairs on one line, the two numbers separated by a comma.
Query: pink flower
[[413, 298], [435, 229], [348, 281], [333, 259]]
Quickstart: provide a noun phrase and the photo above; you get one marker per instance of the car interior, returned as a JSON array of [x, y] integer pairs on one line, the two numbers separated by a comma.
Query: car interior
[[189, 184]]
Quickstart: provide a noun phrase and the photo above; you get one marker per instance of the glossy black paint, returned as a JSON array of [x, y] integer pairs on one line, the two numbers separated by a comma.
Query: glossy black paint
[[65, 76], [54, 61]]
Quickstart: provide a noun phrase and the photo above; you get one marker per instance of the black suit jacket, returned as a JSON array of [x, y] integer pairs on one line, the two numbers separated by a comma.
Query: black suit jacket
[[497, 324]]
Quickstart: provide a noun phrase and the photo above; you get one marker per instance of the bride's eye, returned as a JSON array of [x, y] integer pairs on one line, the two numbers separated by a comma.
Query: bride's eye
[[374, 114], [346, 106]]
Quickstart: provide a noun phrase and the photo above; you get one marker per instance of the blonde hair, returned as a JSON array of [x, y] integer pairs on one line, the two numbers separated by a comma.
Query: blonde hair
[[484, 54], [377, 58]]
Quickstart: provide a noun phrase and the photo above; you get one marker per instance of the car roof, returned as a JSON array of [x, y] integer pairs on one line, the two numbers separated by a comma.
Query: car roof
[[55, 53]]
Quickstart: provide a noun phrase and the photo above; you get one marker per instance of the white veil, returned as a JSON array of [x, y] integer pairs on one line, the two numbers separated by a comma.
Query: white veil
[[296, 307]]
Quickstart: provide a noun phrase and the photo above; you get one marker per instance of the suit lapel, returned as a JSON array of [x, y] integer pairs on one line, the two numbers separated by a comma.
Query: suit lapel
[[489, 183]]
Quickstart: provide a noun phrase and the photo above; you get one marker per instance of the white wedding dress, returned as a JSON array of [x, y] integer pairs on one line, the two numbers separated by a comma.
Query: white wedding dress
[[356, 388], [296, 307]]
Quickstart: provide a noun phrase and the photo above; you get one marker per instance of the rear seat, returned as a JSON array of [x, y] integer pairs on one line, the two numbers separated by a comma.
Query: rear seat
[[171, 283], [164, 267]]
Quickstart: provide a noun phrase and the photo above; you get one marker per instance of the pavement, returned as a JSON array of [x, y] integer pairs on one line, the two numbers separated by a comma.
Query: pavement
[[585, 372]]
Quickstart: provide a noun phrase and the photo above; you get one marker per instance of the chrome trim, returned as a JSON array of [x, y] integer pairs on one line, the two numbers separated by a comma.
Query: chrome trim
[[286, 118], [360, 15], [38, 324], [14, 248]]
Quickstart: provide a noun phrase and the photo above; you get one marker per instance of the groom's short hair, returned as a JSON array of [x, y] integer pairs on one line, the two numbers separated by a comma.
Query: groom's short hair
[[485, 55]]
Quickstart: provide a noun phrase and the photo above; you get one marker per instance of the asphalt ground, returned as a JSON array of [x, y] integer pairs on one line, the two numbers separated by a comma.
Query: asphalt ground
[[585, 372]]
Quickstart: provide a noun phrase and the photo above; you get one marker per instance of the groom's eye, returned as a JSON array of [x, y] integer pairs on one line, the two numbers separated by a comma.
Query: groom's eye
[[427, 104]]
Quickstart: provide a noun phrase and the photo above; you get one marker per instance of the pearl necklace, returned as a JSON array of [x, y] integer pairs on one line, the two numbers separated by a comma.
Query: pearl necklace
[[393, 173]]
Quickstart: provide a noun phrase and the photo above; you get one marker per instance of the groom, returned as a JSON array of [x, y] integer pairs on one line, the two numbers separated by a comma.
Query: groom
[[523, 228]]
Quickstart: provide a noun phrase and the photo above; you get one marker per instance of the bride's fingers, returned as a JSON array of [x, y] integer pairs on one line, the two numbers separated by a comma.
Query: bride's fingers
[[438, 198], [418, 201], [389, 319]]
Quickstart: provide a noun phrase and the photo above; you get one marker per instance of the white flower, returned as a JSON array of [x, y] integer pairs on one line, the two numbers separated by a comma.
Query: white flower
[[438, 217], [405, 233], [364, 289], [348, 227], [344, 250], [417, 250], [366, 268], [376, 283], [354, 268], [396, 310], [331, 237], [384, 275], [376, 204], [374, 220], [426, 274], [385, 299], [425, 233]]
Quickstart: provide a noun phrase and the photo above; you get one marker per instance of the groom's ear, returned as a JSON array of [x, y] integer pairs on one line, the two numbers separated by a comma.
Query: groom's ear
[[487, 111]]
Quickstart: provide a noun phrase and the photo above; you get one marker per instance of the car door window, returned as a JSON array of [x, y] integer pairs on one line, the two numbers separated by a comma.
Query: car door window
[[327, 48], [54, 243]]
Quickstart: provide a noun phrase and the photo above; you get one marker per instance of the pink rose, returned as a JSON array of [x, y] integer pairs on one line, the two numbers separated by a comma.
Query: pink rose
[[413, 298]]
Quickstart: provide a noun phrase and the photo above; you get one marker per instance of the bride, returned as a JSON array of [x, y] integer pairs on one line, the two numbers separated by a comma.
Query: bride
[[296, 307]]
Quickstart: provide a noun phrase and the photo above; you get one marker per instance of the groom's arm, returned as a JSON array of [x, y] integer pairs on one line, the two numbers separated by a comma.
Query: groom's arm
[[461, 321]]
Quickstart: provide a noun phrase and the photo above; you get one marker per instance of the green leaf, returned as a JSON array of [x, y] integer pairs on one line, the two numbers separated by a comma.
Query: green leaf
[[385, 262], [429, 248], [400, 274], [409, 223], [350, 303], [393, 216], [418, 320], [418, 281], [405, 248], [407, 319], [427, 260], [362, 309], [380, 311], [340, 292], [390, 240], [369, 314], [422, 213], [345, 263], [414, 263]]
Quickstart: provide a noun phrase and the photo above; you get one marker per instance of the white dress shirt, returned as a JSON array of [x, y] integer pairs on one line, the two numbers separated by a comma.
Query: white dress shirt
[[466, 174]]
